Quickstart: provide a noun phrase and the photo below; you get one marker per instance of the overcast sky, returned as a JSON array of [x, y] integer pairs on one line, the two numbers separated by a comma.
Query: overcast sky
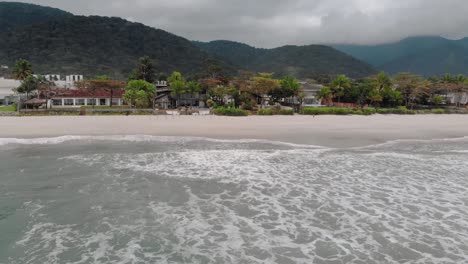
[[272, 23]]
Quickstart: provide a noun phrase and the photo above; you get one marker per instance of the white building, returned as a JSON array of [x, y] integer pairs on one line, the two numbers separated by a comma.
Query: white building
[[52, 77], [74, 78], [71, 98], [6, 90], [457, 98]]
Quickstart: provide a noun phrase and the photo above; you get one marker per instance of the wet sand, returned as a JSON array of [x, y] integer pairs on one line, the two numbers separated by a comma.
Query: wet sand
[[330, 131]]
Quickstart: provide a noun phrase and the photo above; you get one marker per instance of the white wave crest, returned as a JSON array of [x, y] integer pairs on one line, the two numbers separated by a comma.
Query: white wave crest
[[140, 138]]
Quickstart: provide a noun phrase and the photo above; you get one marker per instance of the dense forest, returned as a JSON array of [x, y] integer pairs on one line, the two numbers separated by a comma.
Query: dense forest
[[55, 41], [300, 61], [427, 56], [13, 15], [99, 45]]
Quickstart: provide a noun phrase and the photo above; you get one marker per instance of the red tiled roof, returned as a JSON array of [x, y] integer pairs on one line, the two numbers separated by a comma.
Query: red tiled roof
[[86, 93]]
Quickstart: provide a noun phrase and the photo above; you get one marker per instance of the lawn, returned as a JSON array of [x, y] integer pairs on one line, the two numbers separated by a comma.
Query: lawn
[[10, 108]]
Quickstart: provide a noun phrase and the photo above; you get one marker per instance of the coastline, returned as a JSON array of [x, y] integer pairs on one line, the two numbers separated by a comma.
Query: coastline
[[327, 131]]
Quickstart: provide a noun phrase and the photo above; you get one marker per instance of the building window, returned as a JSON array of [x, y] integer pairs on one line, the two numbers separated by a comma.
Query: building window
[[57, 102], [102, 102], [68, 102], [91, 101], [115, 101], [80, 101]]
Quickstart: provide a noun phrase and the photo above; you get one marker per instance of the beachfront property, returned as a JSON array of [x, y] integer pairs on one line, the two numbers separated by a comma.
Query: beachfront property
[[74, 98], [310, 95], [310, 91], [165, 100], [7, 86]]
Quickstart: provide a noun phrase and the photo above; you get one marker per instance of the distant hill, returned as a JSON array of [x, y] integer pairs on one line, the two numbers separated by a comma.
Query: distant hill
[[378, 55], [94, 45], [420, 55], [14, 14], [449, 58], [299, 61]]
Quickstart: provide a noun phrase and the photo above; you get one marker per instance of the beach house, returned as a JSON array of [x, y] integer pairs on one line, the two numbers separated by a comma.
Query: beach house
[[71, 98]]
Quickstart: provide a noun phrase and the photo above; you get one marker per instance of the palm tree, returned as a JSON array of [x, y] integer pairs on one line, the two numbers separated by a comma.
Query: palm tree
[[383, 81], [177, 85], [324, 94], [339, 85], [461, 87], [144, 71], [22, 70], [412, 87], [193, 88], [28, 85]]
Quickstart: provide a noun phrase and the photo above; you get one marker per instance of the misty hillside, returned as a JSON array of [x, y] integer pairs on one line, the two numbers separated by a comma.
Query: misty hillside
[[300, 61], [420, 55]]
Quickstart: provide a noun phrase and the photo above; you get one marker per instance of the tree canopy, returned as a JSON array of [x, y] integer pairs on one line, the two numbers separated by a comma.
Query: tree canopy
[[140, 93]]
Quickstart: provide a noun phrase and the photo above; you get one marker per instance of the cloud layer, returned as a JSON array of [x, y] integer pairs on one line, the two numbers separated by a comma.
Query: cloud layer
[[272, 23]]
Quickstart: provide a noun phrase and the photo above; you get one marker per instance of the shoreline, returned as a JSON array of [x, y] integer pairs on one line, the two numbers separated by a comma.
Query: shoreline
[[326, 131]]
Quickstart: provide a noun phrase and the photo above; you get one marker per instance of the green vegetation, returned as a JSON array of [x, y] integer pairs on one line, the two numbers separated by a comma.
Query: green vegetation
[[10, 108], [13, 14], [230, 111], [140, 93], [327, 111], [95, 45], [299, 61], [145, 70], [275, 111], [22, 70], [405, 89], [427, 56], [371, 111], [265, 112]]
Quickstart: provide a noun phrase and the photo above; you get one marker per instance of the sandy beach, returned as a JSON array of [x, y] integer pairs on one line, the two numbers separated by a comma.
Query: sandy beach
[[330, 131]]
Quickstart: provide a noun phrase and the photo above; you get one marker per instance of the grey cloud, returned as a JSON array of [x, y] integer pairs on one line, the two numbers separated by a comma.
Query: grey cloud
[[270, 23]]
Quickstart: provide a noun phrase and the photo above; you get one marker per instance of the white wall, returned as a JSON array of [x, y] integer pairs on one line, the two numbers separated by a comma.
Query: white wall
[[7, 86]]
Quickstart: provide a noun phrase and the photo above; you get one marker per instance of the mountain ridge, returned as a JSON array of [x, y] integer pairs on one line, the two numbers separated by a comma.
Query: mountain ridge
[[424, 55], [58, 41], [288, 59]]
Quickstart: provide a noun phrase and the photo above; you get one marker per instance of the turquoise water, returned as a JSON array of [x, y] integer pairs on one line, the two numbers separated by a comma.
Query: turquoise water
[[141, 199]]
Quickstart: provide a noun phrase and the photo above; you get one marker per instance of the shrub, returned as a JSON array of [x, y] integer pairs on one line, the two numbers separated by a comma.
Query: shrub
[[210, 103], [230, 111], [369, 111], [265, 112], [438, 111], [326, 111], [286, 112]]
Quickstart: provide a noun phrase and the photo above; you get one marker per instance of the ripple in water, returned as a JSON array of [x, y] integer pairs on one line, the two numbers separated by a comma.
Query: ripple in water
[[203, 201]]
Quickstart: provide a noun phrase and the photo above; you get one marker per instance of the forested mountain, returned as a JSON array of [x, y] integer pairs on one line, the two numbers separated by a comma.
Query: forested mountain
[[449, 58], [14, 14], [420, 55], [299, 61], [55, 41], [97, 45]]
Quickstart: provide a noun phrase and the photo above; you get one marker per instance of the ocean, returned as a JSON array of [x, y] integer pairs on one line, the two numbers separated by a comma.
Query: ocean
[[144, 199]]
